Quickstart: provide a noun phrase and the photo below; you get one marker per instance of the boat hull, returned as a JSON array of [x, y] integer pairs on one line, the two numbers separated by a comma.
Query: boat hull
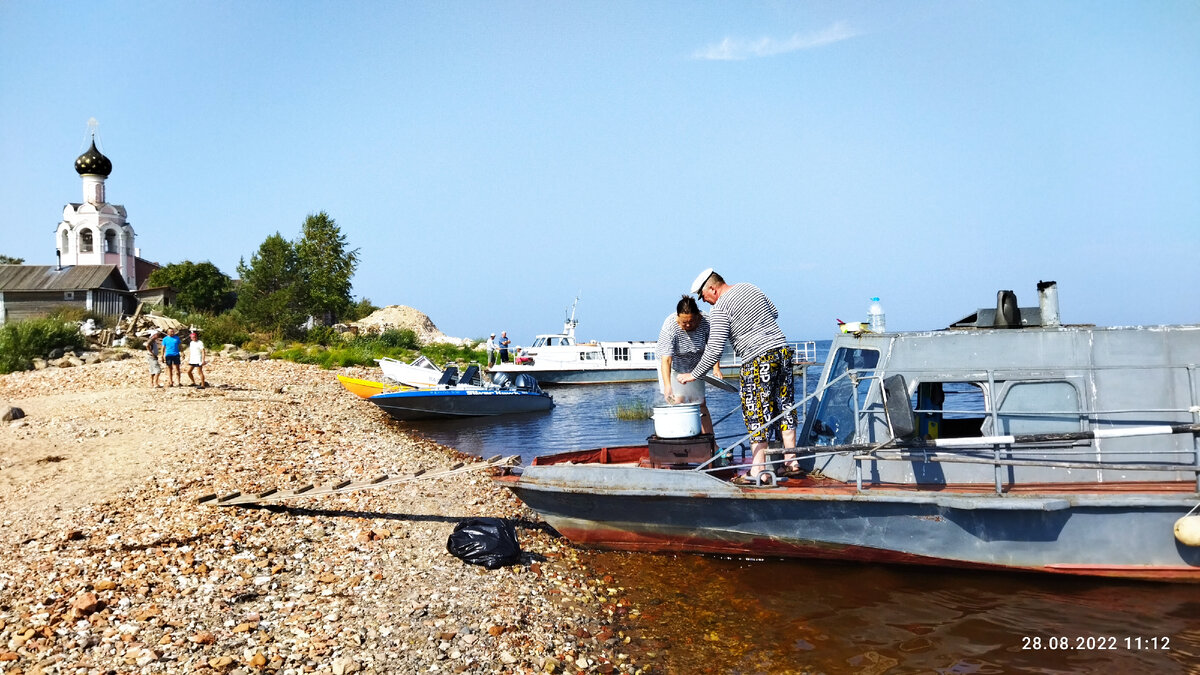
[[424, 404], [579, 376], [1118, 533], [367, 388]]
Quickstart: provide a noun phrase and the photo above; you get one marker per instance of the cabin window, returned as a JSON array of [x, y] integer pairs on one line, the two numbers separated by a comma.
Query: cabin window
[[620, 353], [85, 241], [950, 409], [649, 356], [1040, 408], [833, 422], [589, 356]]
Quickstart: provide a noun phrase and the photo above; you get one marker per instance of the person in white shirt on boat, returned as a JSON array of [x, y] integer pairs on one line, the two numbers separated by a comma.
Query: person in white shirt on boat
[[491, 350], [743, 314], [680, 345]]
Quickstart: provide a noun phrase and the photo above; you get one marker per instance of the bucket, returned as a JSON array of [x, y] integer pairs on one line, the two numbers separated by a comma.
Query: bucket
[[676, 421]]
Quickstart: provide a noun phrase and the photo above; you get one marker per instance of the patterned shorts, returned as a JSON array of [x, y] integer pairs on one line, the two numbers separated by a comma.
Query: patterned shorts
[[767, 389]]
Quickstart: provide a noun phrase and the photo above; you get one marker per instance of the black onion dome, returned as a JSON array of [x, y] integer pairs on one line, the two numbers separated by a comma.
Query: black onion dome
[[93, 163]]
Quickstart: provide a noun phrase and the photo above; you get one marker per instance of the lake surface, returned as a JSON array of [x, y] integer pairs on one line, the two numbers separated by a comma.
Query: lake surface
[[706, 614], [583, 417]]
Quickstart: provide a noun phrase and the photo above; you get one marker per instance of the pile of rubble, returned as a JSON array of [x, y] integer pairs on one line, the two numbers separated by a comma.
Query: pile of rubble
[[396, 317]]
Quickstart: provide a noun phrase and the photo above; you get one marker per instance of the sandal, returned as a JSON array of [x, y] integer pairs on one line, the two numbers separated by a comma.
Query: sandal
[[790, 469]]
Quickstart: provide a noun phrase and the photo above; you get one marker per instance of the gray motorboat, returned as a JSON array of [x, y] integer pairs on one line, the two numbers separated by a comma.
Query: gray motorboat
[[1006, 441]]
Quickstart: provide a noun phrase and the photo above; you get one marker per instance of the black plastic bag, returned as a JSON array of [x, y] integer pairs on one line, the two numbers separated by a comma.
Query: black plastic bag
[[491, 542]]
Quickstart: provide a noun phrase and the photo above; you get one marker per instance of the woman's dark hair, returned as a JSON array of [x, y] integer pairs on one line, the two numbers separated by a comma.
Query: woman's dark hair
[[687, 305]]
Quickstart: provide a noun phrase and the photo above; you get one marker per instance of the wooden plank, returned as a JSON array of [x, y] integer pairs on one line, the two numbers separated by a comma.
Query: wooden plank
[[268, 493], [302, 490], [231, 495], [208, 497], [378, 479], [339, 485]]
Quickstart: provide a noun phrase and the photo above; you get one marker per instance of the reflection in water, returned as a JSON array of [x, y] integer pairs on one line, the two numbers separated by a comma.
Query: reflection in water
[[711, 615]]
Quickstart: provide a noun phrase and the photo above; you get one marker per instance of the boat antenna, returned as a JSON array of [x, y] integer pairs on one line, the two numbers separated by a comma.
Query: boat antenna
[[570, 323]]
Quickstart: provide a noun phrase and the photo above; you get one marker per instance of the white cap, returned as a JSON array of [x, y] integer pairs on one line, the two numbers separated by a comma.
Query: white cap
[[699, 282]]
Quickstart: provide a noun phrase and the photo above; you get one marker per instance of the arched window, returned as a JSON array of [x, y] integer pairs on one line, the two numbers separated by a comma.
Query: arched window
[[66, 243], [85, 241], [110, 241]]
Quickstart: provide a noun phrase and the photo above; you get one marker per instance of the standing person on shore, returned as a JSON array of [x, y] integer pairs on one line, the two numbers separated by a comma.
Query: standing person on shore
[[197, 358], [491, 350], [170, 345], [504, 343], [742, 313], [681, 343], [152, 346]]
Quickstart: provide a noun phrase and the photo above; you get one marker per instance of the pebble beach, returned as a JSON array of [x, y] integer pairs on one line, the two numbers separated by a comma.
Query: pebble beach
[[109, 565]]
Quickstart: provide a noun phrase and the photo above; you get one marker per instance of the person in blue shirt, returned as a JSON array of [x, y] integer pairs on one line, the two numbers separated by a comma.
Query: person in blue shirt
[[171, 358]]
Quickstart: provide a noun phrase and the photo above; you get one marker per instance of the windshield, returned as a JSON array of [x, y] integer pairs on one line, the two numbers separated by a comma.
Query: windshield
[[833, 423]]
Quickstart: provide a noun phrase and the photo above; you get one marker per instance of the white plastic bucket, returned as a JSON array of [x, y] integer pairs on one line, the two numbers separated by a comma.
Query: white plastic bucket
[[677, 421]]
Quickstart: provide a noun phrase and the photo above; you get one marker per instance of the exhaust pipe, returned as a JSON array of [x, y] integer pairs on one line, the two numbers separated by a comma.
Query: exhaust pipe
[[1048, 303]]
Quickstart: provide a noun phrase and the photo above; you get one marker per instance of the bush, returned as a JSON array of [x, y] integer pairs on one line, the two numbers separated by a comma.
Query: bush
[[323, 335], [224, 329], [401, 338], [23, 341]]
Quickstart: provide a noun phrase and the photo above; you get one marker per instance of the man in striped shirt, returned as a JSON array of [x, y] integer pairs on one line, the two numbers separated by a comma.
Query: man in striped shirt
[[743, 314]]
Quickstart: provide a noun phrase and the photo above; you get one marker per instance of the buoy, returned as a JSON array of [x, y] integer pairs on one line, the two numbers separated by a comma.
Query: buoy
[[1187, 530]]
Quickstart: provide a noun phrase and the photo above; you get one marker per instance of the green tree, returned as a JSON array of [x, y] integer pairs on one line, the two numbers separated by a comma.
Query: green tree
[[271, 292], [201, 287], [326, 266], [9, 260]]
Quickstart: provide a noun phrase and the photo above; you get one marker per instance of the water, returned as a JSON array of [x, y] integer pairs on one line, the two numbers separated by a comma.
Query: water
[[714, 615], [584, 417], [717, 615]]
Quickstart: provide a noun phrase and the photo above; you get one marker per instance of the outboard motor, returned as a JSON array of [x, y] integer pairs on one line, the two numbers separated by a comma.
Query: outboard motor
[[526, 382], [501, 380]]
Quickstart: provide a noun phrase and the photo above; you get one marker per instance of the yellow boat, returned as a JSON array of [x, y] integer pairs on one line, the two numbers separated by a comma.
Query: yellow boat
[[367, 388]]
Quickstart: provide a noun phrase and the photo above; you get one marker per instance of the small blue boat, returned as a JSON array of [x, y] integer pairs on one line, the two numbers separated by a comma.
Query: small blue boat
[[455, 397]]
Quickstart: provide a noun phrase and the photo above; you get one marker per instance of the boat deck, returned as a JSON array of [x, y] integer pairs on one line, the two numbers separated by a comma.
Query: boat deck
[[639, 456]]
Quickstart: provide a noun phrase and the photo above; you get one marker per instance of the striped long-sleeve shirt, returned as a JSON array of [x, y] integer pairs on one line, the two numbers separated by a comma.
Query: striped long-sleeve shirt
[[746, 316], [684, 347]]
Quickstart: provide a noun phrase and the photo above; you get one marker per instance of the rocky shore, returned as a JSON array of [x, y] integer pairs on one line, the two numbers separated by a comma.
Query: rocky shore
[[108, 564]]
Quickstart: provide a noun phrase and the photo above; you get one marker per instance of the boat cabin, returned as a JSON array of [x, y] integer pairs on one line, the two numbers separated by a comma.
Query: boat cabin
[[1065, 392]]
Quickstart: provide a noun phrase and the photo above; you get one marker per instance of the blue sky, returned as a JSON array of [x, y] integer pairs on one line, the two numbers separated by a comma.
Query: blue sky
[[492, 160]]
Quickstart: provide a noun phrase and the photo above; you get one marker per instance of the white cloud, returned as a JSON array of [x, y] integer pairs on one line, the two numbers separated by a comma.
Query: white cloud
[[731, 49]]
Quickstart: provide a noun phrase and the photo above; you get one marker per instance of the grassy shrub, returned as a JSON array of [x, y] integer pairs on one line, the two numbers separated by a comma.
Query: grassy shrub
[[323, 335], [23, 341], [634, 410], [224, 329], [399, 338]]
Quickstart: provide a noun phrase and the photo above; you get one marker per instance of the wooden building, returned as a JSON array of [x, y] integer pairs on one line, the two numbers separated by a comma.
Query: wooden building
[[31, 291]]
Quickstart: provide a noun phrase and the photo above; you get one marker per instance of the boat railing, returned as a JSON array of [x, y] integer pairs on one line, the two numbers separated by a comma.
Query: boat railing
[[804, 353], [1000, 451]]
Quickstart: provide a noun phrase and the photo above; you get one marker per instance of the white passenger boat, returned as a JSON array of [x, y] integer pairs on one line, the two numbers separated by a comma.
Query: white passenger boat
[[558, 358]]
